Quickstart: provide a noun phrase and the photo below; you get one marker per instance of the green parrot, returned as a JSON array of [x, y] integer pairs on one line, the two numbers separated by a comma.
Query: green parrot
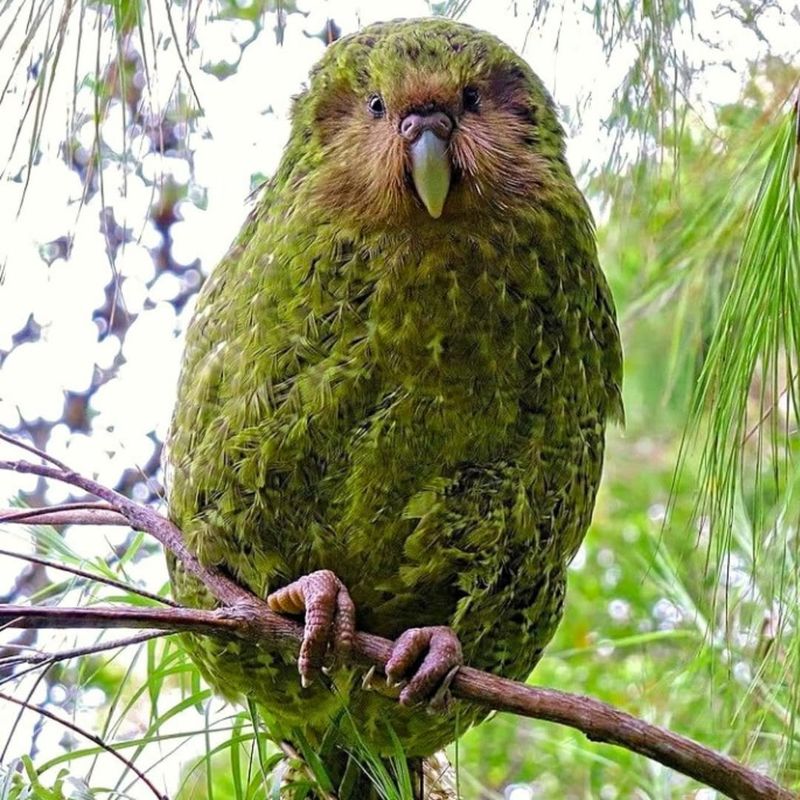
[[395, 389]]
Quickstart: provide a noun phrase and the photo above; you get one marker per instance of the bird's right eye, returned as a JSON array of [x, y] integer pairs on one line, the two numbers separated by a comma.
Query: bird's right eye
[[376, 106]]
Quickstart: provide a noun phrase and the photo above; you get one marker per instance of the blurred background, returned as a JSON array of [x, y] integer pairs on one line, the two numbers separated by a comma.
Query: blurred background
[[132, 135]]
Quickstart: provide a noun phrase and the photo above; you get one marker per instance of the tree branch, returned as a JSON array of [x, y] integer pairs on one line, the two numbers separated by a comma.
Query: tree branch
[[246, 616], [66, 514]]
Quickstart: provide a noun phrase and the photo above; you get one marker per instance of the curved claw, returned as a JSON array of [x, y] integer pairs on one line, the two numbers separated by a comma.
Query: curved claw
[[439, 650], [330, 618]]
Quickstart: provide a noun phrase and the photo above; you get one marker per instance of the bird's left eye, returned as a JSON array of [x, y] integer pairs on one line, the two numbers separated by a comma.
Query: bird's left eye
[[471, 98], [376, 106]]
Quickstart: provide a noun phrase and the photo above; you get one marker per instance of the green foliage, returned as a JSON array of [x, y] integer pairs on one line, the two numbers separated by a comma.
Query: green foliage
[[20, 781], [127, 15], [757, 339]]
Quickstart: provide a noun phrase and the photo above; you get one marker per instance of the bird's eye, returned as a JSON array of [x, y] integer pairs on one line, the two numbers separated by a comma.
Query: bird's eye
[[472, 99], [376, 106]]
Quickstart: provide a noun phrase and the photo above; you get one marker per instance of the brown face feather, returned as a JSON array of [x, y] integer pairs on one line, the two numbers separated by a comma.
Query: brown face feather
[[493, 149], [365, 167]]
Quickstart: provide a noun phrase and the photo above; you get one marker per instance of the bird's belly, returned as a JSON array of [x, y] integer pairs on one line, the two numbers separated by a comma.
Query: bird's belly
[[400, 471]]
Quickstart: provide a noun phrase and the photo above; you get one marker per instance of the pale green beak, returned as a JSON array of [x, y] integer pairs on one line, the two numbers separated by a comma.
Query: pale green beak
[[430, 170]]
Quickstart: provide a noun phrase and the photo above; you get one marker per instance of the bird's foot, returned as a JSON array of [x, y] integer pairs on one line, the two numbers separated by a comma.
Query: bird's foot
[[425, 661], [330, 618]]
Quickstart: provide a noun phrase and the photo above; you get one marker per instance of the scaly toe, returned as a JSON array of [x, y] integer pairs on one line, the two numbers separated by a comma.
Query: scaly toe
[[438, 653], [329, 618]]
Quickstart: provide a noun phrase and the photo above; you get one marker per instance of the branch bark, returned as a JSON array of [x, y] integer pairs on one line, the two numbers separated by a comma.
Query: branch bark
[[246, 616]]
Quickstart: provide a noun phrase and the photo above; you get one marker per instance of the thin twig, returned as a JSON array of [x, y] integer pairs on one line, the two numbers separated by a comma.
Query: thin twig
[[39, 657], [90, 736], [84, 513], [33, 450], [90, 576], [143, 519], [57, 515]]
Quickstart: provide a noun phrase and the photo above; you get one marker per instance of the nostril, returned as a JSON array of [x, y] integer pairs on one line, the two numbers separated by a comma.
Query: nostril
[[412, 125], [441, 124]]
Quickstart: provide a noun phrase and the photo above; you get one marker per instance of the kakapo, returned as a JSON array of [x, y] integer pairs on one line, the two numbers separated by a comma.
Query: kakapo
[[396, 383]]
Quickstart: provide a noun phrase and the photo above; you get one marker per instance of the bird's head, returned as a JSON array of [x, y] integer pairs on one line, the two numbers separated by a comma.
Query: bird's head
[[416, 120]]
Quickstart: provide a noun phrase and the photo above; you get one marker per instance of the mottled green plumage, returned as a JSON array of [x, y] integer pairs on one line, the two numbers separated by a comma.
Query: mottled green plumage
[[417, 404]]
